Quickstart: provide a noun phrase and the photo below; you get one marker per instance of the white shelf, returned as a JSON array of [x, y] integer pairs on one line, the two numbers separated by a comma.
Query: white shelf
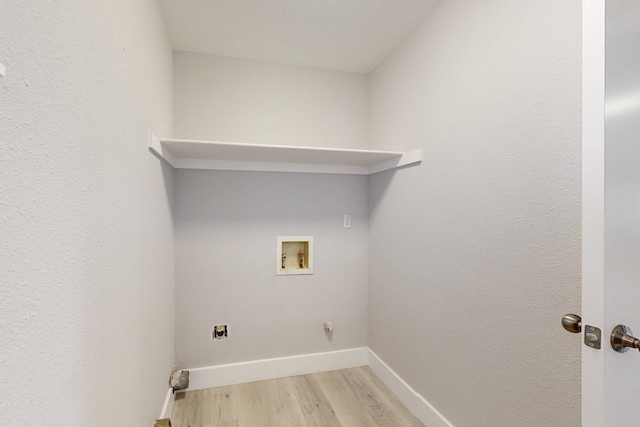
[[186, 154]]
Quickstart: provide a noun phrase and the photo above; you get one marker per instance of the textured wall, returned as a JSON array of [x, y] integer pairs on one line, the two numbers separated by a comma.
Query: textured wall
[[475, 254], [226, 229], [86, 260], [238, 100]]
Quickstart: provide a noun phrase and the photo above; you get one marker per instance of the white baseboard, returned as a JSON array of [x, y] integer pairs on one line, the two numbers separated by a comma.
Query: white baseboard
[[417, 404], [169, 401], [258, 370]]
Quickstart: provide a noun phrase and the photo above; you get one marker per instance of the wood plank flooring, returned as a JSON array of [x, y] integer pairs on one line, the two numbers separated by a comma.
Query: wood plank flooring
[[347, 398]]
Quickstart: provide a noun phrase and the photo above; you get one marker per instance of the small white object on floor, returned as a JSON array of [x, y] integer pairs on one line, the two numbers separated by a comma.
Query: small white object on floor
[[3, 70]]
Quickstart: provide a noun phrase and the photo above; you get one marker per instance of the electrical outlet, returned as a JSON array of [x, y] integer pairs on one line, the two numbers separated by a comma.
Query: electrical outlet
[[219, 332], [346, 222]]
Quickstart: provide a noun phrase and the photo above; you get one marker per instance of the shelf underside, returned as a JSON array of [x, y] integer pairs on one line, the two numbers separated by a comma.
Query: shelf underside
[[186, 154]]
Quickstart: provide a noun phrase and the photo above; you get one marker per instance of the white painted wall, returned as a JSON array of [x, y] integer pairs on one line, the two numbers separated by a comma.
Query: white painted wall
[[227, 224], [238, 100], [475, 255], [86, 260]]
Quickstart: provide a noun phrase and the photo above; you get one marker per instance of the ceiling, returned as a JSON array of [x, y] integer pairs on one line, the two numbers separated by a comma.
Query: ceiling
[[347, 35]]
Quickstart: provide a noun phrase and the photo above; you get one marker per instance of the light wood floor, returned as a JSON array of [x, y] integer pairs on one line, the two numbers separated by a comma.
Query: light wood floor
[[345, 398]]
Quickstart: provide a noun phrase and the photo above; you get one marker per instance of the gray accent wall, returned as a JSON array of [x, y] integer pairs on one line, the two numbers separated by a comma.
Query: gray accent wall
[[227, 224]]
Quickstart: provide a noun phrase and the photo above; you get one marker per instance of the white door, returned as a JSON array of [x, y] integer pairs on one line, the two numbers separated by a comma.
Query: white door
[[611, 208]]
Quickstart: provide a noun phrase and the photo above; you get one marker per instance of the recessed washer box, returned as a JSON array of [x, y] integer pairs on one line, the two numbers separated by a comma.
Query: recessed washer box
[[294, 255]]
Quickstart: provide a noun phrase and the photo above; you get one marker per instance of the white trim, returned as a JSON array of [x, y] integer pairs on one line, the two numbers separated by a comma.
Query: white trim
[[417, 405], [258, 370], [593, 138], [169, 401]]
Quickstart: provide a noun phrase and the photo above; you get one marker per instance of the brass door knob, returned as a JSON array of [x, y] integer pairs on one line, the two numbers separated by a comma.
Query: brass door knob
[[622, 339], [572, 323]]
